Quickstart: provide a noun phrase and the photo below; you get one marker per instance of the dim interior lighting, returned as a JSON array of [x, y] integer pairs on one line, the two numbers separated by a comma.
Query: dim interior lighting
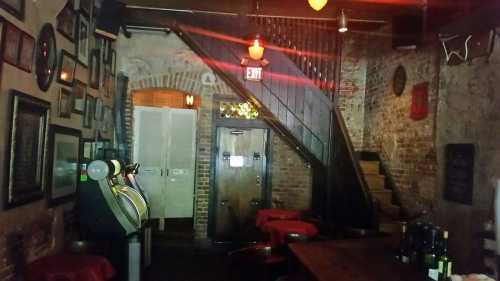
[[342, 22], [256, 50], [189, 100], [64, 75], [317, 4]]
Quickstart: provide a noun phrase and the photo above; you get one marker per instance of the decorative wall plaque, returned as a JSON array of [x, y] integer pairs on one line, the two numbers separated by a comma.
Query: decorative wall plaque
[[399, 80], [46, 57]]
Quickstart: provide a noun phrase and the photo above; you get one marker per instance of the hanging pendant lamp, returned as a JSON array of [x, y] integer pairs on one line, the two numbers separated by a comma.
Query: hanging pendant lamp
[[317, 4], [342, 22]]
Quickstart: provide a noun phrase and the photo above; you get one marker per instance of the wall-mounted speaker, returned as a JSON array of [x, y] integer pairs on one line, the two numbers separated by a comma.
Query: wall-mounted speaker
[[110, 18], [407, 31]]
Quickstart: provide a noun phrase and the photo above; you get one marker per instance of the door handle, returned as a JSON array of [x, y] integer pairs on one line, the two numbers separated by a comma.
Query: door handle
[[161, 172]]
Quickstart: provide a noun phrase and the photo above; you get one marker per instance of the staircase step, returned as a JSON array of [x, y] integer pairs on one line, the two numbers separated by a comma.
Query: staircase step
[[383, 196], [375, 182], [370, 167]]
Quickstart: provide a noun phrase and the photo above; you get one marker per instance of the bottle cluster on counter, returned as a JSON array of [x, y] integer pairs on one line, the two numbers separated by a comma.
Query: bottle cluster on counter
[[426, 247]]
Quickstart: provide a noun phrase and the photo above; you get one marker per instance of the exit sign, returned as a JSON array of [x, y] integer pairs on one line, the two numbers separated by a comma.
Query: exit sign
[[253, 73]]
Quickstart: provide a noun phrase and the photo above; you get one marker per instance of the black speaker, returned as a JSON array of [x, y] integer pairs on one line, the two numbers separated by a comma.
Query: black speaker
[[110, 18], [407, 30]]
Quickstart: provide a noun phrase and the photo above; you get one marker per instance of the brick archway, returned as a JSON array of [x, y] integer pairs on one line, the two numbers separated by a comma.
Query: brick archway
[[188, 82]]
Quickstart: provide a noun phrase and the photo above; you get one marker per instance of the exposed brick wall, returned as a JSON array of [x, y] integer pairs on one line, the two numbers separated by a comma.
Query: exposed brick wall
[[406, 146], [351, 97], [463, 108], [291, 176], [156, 61]]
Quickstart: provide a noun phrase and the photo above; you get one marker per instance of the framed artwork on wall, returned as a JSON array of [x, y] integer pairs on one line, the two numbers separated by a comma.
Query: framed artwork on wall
[[27, 50], [66, 70], [66, 21], [95, 69], [14, 7], [12, 41], [46, 57], [29, 123], [89, 111], [65, 103], [79, 93], [107, 119], [64, 162], [82, 44], [98, 110]]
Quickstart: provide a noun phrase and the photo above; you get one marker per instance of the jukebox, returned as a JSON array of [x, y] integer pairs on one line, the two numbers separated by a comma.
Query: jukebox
[[113, 208]]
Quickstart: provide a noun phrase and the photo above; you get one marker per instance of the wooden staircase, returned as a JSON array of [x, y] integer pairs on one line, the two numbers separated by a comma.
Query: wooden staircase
[[383, 198]]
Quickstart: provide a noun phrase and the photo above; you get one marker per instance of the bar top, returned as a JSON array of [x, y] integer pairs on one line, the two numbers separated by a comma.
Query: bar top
[[353, 260]]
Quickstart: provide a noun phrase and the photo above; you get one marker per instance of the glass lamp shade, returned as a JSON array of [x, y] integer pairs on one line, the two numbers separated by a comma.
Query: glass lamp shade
[[256, 51], [317, 4]]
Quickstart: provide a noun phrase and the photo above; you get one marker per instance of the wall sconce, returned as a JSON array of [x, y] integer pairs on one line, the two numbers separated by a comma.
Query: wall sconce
[[342, 22], [317, 4], [256, 50], [64, 75], [189, 100]]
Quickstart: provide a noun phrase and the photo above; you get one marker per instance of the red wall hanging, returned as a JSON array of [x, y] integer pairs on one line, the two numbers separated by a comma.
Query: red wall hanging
[[419, 101]]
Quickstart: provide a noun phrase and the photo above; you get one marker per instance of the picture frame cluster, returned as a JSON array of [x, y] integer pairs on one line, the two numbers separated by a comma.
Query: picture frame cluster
[[44, 158]]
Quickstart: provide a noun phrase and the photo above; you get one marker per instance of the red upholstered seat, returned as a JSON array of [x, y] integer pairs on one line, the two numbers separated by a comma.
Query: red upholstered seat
[[70, 267]]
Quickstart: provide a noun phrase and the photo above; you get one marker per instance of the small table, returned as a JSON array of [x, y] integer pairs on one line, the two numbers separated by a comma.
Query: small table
[[70, 267], [349, 260], [278, 229], [266, 215]]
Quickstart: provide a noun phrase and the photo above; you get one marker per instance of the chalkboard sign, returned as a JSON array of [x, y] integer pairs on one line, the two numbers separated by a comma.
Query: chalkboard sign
[[459, 173]]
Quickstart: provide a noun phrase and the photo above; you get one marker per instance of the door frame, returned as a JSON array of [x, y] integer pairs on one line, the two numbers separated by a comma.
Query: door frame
[[237, 124]]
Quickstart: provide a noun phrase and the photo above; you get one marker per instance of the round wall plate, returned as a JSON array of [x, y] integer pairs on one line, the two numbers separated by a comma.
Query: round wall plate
[[46, 57], [399, 80]]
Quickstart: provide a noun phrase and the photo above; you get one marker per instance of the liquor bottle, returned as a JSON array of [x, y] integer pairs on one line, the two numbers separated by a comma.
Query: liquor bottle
[[430, 255], [444, 263], [404, 247]]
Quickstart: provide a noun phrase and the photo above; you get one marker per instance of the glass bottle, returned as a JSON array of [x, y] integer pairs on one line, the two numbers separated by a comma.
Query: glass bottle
[[404, 247], [444, 263], [430, 254]]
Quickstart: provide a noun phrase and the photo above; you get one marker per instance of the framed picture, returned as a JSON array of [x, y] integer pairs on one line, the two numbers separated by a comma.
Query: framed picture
[[64, 162], [67, 67], [108, 119], [98, 110], [82, 44], [112, 62], [29, 123], [14, 7], [105, 47], [66, 21], [87, 150], [89, 111], [95, 69], [65, 103], [108, 83], [79, 93], [12, 41], [27, 50]]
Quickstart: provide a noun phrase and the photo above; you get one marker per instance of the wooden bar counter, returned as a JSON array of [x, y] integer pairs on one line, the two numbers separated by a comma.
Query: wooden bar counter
[[353, 260]]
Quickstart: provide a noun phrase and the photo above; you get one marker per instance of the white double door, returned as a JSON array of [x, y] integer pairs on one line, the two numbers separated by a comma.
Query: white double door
[[165, 147]]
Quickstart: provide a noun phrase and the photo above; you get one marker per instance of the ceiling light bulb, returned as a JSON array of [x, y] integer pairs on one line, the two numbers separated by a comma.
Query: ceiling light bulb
[[342, 22], [317, 4], [256, 51]]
